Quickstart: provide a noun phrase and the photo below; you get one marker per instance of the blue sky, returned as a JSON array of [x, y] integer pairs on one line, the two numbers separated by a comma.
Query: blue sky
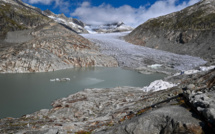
[[131, 12]]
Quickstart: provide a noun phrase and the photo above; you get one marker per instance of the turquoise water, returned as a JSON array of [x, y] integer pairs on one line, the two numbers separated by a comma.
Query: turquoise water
[[22, 94]]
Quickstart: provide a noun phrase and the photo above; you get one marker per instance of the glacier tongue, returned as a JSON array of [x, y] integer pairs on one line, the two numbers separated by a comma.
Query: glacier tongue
[[133, 56]]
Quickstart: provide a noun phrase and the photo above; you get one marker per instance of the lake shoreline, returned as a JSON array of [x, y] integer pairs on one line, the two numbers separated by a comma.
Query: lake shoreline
[[97, 110]]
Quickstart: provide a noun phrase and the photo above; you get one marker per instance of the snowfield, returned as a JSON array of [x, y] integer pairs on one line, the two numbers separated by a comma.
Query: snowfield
[[158, 85], [133, 56]]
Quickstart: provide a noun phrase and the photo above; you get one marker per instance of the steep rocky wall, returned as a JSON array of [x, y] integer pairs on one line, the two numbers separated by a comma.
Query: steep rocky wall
[[190, 31]]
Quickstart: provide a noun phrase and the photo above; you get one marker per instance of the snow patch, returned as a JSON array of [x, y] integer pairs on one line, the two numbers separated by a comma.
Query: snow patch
[[201, 69], [66, 22], [188, 72], [158, 85], [155, 66], [89, 29]]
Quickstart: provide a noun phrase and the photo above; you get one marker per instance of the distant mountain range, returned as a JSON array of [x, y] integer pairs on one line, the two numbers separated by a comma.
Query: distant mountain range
[[108, 28], [80, 27], [74, 24]]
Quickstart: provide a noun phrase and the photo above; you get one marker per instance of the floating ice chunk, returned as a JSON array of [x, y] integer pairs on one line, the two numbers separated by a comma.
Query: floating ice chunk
[[52, 80], [65, 79], [158, 85], [60, 79], [57, 79]]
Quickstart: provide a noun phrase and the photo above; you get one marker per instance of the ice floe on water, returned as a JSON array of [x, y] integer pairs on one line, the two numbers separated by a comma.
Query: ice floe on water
[[60, 79], [158, 85]]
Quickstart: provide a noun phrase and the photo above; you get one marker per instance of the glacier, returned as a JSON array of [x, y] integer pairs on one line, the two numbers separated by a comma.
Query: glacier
[[137, 57]]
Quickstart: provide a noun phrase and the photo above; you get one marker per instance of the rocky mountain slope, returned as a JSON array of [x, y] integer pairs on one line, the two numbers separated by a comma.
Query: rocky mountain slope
[[190, 31], [31, 42], [16, 15], [108, 28], [72, 23]]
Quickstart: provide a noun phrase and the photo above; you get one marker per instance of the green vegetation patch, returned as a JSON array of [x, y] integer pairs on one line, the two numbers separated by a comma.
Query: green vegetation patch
[[14, 18], [198, 20]]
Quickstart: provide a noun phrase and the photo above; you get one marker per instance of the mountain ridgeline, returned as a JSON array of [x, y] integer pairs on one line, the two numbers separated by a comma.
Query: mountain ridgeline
[[190, 31]]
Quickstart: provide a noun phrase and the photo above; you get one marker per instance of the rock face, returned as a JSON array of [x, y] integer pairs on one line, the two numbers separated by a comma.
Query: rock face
[[44, 45], [190, 31], [108, 28], [73, 24]]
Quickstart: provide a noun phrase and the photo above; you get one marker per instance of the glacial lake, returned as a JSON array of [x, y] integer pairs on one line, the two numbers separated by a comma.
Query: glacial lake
[[26, 93]]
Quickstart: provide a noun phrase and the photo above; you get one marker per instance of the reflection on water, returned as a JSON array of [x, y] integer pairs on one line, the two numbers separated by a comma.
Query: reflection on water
[[25, 93]]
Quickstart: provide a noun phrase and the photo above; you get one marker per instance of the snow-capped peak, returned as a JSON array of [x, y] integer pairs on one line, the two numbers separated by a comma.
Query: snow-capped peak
[[108, 28], [74, 24]]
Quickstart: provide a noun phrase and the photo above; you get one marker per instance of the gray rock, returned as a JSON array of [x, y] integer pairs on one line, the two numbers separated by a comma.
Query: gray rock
[[52, 131], [205, 104], [190, 86], [18, 36], [171, 119]]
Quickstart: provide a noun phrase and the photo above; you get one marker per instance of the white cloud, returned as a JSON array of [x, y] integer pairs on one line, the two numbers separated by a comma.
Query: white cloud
[[106, 13], [62, 4], [46, 2]]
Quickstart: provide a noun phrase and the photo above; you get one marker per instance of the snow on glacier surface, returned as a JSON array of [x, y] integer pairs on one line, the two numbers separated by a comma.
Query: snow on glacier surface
[[133, 56]]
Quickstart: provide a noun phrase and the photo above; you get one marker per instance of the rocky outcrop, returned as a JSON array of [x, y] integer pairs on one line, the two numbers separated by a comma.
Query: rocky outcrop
[[166, 120], [72, 23], [190, 31]]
